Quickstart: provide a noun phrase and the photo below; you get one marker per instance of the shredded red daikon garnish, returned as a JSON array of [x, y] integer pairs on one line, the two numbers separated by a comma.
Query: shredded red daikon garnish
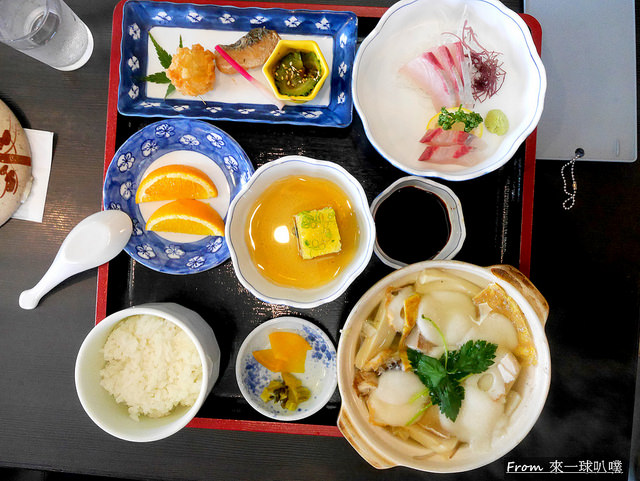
[[487, 73]]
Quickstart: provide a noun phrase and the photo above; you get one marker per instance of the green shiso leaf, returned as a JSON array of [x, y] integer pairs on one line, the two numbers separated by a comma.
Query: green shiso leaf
[[170, 90], [163, 56], [158, 78]]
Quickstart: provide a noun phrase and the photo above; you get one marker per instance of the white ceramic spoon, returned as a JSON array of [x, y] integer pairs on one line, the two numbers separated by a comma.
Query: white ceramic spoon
[[94, 241]]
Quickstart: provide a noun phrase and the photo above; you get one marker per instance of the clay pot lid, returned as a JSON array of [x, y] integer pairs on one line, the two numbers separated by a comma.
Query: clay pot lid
[[15, 164]]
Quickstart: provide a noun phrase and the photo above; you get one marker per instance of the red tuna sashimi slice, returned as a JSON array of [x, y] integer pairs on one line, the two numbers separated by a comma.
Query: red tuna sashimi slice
[[429, 78], [449, 137], [447, 154]]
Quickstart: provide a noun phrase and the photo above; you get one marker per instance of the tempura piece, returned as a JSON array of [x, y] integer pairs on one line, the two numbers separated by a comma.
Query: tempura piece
[[192, 70]]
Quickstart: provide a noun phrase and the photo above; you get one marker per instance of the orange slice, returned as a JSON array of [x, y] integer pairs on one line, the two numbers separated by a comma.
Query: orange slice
[[186, 216], [433, 123], [175, 182], [288, 352]]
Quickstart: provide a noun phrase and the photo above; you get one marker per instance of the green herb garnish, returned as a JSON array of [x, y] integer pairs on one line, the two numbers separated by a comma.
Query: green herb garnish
[[470, 120], [158, 78], [170, 90], [165, 60], [443, 376], [163, 56]]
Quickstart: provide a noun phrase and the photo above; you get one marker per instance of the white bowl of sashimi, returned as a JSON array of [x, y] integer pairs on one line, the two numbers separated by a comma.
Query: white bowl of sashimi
[[443, 366], [428, 55]]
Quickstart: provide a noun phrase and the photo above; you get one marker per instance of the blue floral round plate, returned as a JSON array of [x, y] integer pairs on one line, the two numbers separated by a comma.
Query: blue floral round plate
[[320, 375], [175, 141]]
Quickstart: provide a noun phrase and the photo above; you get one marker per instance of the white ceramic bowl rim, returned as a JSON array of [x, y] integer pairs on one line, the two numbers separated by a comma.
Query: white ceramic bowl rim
[[107, 325], [364, 430], [457, 229], [354, 270], [481, 168]]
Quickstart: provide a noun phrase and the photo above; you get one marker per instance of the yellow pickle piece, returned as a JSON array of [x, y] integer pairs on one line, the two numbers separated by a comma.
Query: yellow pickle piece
[[289, 392]]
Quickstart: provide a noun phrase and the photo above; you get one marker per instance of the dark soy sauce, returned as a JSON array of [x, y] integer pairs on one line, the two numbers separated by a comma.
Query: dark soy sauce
[[412, 225]]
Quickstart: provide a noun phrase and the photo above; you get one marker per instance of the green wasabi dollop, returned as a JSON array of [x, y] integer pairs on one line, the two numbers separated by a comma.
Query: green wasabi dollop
[[496, 122]]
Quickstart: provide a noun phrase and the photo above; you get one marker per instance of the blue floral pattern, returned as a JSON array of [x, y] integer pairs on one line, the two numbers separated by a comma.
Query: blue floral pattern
[[125, 161], [164, 130], [141, 16], [133, 63], [189, 139], [149, 147], [194, 17], [126, 190], [125, 173], [134, 31], [173, 252], [215, 245], [216, 140]]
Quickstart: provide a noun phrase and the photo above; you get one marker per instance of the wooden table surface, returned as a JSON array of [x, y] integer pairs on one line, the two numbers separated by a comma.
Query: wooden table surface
[[585, 261]]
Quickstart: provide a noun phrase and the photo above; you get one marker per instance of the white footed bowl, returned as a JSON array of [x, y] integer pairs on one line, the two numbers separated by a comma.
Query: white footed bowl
[[240, 209], [395, 112], [383, 450], [113, 417]]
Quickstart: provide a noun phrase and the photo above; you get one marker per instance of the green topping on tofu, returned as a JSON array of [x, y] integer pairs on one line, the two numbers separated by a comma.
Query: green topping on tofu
[[317, 232]]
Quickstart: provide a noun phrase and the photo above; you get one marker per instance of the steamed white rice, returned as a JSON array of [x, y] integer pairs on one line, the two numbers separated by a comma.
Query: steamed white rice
[[151, 365]]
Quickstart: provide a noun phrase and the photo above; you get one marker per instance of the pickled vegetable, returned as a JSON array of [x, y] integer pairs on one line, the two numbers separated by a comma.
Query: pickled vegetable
[[289, 392], [297, 73]]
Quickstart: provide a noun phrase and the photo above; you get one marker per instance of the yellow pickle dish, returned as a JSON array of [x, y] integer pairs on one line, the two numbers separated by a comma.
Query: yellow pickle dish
[[296, 70]]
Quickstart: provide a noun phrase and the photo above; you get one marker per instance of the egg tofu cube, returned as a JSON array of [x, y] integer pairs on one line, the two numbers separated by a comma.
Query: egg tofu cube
[[317, 232]]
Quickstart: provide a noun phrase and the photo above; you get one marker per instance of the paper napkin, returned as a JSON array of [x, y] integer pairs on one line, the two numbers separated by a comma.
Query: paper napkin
[[41, 144]]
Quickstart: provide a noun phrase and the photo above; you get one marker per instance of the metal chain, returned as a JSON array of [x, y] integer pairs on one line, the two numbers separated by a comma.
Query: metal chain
[[570, 201]]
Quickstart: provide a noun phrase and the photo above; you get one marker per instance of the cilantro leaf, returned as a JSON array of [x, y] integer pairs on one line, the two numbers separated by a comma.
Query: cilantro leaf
[[163, 56], [158, 78], [473, 357]]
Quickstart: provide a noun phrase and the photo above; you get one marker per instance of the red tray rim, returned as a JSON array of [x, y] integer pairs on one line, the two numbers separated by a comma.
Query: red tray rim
[[110, 149]]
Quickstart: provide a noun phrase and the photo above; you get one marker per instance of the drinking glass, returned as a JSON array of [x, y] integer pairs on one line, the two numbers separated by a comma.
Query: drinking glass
[[46, 30]]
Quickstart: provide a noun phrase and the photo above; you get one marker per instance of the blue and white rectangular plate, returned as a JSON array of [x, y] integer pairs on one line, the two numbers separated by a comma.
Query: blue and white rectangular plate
[[232, 97]]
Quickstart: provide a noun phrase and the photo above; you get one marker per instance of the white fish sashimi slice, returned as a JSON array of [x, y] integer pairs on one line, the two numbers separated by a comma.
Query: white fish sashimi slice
[[447, 63], [444, 68], [463, 71], [447, 154], [422, 72], [440, 136]]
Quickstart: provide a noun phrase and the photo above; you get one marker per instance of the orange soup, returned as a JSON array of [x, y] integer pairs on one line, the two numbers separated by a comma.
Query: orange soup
[[271, 237]]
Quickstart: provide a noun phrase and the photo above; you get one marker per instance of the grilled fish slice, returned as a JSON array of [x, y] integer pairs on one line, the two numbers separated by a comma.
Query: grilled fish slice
[[250, 51]]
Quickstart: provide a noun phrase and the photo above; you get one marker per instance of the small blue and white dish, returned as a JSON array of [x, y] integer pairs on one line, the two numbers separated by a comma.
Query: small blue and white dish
[[189, 142], [232, 97], [320, 375]]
